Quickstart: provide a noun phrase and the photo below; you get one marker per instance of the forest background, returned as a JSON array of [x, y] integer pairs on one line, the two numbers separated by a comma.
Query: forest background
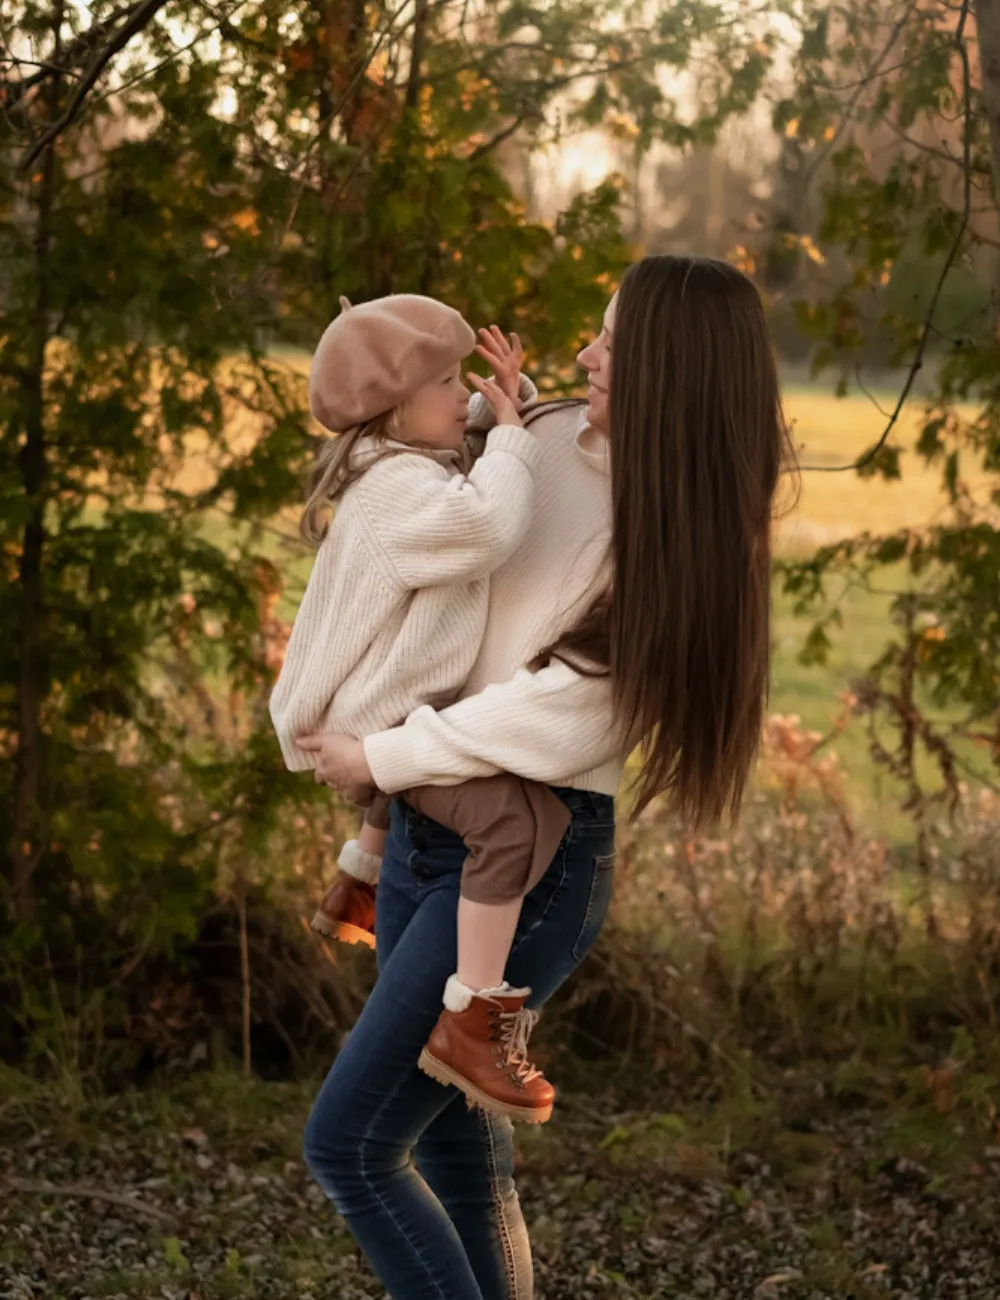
[[187, 188]]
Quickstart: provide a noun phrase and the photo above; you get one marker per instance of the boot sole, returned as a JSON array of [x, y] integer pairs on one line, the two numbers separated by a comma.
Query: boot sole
[[342, 930], [442, 1073]]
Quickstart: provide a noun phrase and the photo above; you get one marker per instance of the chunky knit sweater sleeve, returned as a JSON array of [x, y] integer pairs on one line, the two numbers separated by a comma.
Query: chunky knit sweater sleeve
[[395, 606], [435, 528], [546, 725]]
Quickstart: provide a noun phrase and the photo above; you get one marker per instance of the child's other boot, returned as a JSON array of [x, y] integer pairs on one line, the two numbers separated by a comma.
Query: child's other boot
[[347, 911]]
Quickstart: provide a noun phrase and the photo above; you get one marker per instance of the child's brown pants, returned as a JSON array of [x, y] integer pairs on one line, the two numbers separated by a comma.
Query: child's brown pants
[[511, 827]]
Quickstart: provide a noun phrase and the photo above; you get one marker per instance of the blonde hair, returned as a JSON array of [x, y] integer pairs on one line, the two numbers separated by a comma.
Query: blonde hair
[[332, 474]]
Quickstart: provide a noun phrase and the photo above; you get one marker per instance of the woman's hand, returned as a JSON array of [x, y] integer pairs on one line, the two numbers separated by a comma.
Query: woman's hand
[[341, 764], [505, 360], [503, 408]]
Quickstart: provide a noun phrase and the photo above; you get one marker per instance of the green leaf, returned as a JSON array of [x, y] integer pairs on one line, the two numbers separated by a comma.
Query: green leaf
[[620, 1135], [891, 550], [671, 1124], [817, 646], [814, 43], [929, 442], [884, 464], [174, 1255]]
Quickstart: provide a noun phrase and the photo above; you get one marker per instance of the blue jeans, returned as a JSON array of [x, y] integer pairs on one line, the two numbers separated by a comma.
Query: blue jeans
[[426, 1185]]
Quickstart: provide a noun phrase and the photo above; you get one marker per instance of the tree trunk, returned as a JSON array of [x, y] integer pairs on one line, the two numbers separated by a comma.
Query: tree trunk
[[33, 462], [245, 985], [339, 104], [987, 15], [324, 112], [417, 47], [414, 81], [357, 52]]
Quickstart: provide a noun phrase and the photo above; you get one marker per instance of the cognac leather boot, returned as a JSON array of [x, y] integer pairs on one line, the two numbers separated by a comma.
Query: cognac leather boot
[[347, 911], [483, 1050]]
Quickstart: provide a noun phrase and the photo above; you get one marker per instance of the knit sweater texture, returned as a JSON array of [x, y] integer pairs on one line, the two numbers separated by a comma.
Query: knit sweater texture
[[396, 605], [552, 725]]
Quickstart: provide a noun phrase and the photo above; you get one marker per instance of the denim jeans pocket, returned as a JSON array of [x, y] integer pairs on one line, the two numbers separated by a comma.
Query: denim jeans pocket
[[599, 900], [592, 814], [435, 850]]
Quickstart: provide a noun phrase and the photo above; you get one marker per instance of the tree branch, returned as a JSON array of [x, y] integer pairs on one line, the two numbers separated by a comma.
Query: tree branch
[[861, 86], [55, 69], [495, 141], [140, 18], [944, 154], [958, 42], [877, 72], [175, 54], [85, 1192], [71, 52]]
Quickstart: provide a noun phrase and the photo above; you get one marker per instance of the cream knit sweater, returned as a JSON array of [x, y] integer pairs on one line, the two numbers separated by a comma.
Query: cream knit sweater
[[396, 604], [552, 725]]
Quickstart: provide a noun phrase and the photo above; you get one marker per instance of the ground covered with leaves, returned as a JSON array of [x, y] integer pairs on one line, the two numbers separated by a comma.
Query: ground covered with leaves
[[840, 1182]]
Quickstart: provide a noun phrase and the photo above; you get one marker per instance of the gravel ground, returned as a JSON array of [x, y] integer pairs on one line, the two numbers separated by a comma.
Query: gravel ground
[[200, 1192]]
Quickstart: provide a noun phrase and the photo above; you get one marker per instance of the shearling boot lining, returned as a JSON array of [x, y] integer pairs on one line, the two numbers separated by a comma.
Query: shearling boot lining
[[458, 996]]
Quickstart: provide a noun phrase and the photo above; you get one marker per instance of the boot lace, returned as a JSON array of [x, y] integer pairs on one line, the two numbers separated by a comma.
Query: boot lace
[[515, 1030]]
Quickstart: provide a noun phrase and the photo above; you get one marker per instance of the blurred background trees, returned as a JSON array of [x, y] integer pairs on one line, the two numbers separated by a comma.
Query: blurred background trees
[[186, 190]]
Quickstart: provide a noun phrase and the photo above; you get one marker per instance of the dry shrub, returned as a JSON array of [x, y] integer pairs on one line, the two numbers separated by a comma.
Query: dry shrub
[[795, 933]]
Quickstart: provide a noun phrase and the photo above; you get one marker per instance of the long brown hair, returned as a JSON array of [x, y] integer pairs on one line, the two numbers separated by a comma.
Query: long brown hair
[[697, 445]]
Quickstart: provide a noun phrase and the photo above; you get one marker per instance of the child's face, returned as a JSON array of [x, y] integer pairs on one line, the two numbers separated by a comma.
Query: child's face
[[436, 414]]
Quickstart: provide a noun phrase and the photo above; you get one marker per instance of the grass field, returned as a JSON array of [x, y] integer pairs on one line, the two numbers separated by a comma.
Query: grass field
[[830, 431]]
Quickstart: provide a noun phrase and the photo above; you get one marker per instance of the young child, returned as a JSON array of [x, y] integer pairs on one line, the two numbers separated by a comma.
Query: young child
[[392, 619]]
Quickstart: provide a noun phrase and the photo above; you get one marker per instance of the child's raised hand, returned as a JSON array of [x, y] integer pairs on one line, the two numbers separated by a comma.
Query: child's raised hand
[[506, 411], [505, 361]]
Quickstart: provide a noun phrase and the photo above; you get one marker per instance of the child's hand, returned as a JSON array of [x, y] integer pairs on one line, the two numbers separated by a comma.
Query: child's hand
[[503, 408], [505, 361], [341, 764]]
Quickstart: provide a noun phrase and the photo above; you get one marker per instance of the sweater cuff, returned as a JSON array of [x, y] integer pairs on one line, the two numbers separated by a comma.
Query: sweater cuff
[[394, 759], [517, 441], [526, 390]]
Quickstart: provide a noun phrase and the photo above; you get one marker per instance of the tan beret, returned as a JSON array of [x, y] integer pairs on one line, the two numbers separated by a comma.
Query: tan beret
[[374, 356]]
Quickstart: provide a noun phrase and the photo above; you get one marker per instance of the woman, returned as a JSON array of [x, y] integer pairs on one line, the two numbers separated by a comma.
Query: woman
[[665, 481]]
